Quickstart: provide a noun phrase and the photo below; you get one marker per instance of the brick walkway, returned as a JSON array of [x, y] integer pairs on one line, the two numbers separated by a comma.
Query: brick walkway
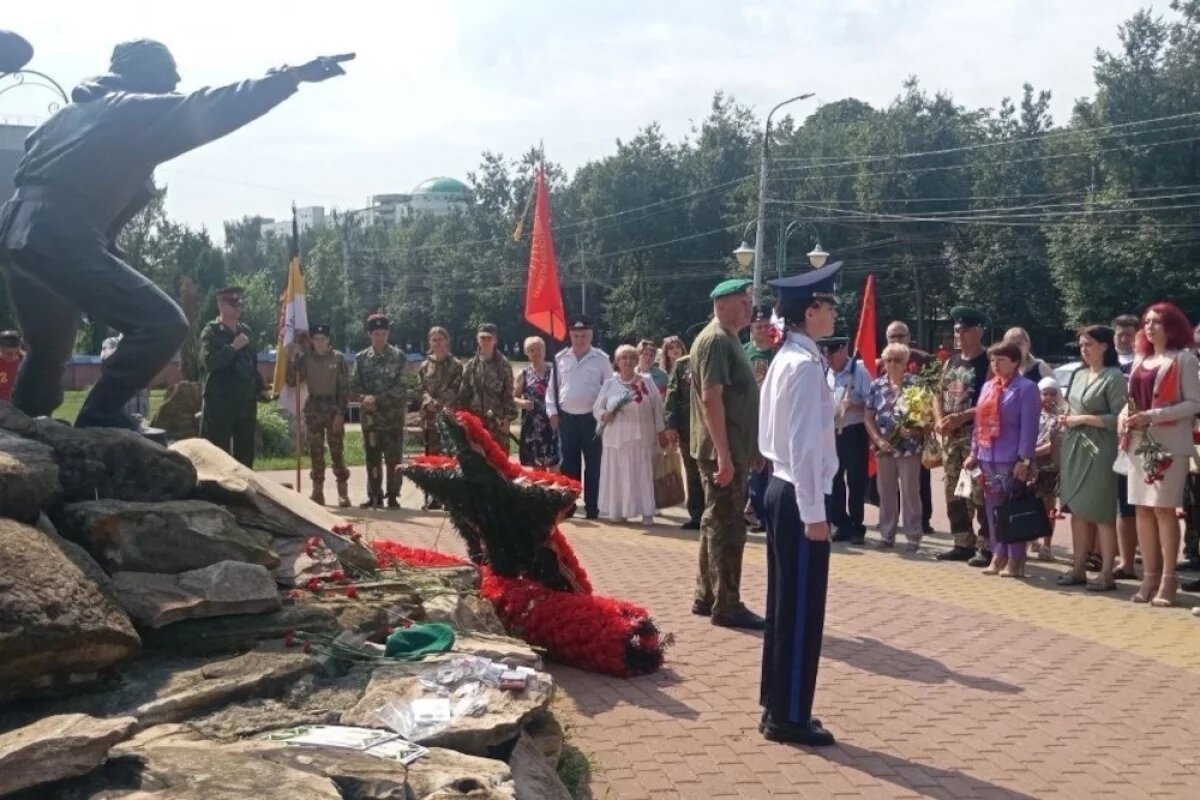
[[938, 682]]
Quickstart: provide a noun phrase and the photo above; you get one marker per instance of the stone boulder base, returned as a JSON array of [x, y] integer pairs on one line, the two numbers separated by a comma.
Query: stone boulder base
[[225, 588], [238, 633], [534, 775], [501, 722], [54, 619], [168, 537], [280, 511], [28, 477], [55, 748], [103, 463]]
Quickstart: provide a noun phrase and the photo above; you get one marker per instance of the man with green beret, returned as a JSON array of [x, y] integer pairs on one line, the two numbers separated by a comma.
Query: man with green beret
[[378, 380], [232, 385], [724, 442], [327, 375], [954, 414]]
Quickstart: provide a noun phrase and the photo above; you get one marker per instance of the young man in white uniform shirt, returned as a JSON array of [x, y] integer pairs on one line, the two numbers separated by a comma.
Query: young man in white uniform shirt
[[796, 434]]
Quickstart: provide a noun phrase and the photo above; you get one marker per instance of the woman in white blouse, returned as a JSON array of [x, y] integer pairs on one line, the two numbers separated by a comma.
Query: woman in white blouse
[[630, 411]]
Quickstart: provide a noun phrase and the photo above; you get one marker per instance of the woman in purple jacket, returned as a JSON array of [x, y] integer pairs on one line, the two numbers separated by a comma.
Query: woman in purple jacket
[[1003, 445]]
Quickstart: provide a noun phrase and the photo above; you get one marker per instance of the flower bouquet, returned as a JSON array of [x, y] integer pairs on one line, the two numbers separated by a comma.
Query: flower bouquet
[[914, 410], [614, 406], [1155, 459]]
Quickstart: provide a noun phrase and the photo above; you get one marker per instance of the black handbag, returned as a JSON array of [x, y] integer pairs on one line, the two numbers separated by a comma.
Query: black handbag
[[1022, 518]]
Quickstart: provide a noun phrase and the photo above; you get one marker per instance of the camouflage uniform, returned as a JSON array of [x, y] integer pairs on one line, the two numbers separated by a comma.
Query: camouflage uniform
[[487, 392], [958, 393], [328, 380], [440, 381], [381, 375]]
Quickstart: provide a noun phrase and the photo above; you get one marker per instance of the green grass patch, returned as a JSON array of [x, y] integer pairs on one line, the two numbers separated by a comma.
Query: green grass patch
[[575, 767], [73, 401]]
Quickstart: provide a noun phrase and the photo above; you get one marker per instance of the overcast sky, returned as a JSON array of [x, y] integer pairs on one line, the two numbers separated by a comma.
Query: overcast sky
[[437, 82]]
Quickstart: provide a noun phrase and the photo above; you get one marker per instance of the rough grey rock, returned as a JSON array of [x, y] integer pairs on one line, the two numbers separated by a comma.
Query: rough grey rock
[[357, 775], [534, 776], [173, 536], [463, 612], [225, 588], [100, 463], [546, 733], [16, 421], [457, 774], [56, 620], [256, 674], [56, 748], [28, 477], [501, 722], [239, 633], [282, 511], [197, 771]]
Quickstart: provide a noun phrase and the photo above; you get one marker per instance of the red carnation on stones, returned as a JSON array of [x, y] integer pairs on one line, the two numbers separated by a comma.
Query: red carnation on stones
[[313, 585], [289, 638], [337, 576], [352, 592]]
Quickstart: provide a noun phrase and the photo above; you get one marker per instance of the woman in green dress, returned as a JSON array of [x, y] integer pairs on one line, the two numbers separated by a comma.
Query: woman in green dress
[[1089, 486]]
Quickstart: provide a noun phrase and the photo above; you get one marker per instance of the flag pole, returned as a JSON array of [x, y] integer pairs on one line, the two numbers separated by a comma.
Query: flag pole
[[297, 419]]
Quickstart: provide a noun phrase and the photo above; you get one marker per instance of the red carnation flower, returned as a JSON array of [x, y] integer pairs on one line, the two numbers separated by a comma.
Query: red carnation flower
[[313, 585], [352, 592], [337, 576], [289, 638]]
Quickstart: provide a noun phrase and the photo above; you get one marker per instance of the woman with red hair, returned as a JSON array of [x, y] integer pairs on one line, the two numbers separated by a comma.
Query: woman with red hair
[[1164, 398]]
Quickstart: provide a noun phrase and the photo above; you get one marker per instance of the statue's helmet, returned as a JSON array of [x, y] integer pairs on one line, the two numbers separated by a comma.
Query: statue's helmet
[[146, 65]]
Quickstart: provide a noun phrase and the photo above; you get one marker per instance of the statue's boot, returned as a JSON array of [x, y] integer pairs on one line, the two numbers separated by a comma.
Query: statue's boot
[[104, 406], [343, 495], [318, 493]]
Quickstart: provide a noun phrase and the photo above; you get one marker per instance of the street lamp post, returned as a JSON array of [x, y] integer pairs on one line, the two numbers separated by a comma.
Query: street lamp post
[[762, 194], [816, 257]]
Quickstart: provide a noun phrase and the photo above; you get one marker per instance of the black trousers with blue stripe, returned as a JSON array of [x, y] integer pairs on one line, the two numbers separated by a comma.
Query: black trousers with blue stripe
[[797, 579]]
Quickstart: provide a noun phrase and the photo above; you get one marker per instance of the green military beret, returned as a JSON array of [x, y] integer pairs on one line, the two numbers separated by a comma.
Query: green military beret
[[965, 315], [730, 287]]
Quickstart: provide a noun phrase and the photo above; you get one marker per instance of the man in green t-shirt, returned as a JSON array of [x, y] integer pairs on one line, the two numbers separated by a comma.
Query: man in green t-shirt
[[724, 442], [759, 350]]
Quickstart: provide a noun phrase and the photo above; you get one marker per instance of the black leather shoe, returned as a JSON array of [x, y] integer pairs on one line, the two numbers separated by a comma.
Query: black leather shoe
[[766, 719], [393, 503], [982, 560], [1191, 586], [370, 503], [702, 609], [842, 535], [926, 528], [691, 525], [809, 735], [743, 618], [956, 553], [591, 515]]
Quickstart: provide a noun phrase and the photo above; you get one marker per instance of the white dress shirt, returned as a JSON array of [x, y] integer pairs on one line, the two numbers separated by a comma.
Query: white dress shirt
[[579, 381], [795, 424], [851, 387]]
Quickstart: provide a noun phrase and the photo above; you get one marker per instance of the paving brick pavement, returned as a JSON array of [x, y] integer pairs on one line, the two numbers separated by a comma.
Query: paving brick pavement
[[938, 682]]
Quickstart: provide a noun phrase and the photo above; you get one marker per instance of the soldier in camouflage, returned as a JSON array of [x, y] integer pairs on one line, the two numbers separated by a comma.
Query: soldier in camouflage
[[378, 380], [232, 385], [327, 376], [487, 387], [440, 380]]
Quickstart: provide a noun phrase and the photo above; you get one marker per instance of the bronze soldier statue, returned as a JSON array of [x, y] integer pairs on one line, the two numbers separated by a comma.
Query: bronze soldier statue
[[379, 382], [86, 172], [325, 372]]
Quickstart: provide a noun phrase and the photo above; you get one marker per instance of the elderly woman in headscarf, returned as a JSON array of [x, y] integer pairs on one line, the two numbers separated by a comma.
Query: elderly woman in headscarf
[[1048, 456]]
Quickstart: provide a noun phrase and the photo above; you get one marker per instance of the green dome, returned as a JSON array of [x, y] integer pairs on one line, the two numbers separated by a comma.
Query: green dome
[[441, 185]]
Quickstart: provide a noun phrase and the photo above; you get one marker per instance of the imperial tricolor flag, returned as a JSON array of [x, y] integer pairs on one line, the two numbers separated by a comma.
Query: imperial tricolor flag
[[293, 316]]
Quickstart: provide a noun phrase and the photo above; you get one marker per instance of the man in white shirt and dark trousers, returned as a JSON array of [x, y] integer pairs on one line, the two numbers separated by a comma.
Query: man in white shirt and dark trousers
[[581, 370], [796, 434], [850, 383]]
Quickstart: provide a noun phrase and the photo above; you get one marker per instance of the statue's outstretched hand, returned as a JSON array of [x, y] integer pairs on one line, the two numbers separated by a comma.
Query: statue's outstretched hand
[[321, 69]]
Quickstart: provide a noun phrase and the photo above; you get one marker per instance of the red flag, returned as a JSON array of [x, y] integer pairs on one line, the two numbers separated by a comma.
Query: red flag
[[543, 299], [864, 344], [864, 339]]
